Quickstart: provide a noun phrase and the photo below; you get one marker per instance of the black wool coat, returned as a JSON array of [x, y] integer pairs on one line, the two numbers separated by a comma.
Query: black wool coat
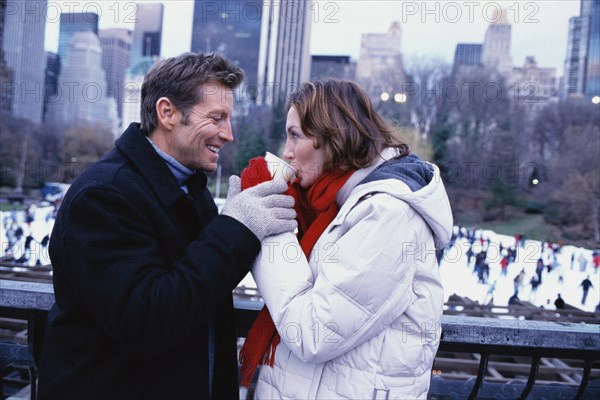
[[139, 271]]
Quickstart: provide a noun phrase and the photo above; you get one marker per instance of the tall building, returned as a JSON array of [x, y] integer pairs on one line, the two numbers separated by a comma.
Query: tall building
[[582, 64], [70, 23], [284, 55], [467, 55], [380, 66], [544, 78], [338, 67], [6, 73], [533, 87], [132, 102], [116, 57], [23, 45], [147, 34], [592, 76], [81, 96], [575, 64], [496, 45], [51, 79], [231, 28]]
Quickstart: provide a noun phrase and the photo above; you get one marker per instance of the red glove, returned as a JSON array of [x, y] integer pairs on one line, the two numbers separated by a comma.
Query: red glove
[[256, 172]]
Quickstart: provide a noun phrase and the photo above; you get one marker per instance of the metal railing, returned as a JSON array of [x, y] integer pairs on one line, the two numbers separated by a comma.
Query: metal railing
[[483, 336]]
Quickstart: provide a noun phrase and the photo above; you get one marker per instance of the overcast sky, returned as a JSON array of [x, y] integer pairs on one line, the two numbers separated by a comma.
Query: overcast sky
[[429, 28]]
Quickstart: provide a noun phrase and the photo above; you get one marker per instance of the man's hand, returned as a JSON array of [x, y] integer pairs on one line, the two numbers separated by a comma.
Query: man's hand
[[262, 208]]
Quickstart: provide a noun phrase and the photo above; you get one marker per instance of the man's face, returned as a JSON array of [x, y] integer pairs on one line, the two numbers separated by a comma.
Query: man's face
[[196, 144]]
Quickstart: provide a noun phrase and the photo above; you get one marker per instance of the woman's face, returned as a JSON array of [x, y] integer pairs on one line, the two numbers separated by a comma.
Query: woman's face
[[301, 153]]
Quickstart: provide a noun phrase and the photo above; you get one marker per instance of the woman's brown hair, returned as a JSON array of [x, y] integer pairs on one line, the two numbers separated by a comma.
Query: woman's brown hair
[[340, 115]]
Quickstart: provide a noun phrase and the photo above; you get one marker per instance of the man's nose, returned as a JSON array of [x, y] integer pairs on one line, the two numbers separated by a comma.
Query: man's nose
[[226, 133]]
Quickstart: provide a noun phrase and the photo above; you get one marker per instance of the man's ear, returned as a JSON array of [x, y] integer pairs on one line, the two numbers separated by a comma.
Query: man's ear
[[166, 112]]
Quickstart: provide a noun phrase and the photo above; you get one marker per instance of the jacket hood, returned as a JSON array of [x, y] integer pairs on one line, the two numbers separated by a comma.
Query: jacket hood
[[409, 179], [411, 170]]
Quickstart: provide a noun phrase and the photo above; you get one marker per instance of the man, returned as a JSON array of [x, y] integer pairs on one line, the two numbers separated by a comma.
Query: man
[[559, 303], [585, 284], [143, 265]]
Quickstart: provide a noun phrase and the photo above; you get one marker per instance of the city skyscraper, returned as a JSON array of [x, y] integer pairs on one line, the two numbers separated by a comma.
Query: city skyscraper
[[582, 64], [380, 65], [339, 67], [70, 23], [496, 45], [284, 56], [23, 45], [51, 79], [575, 64], [147, 34], [81, 96], [467, 55], [6, 73], [231, 28], [533, 87], [116, 58], [592, 75]]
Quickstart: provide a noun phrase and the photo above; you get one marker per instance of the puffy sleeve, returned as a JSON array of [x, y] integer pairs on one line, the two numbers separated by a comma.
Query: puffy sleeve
[[363, 280]]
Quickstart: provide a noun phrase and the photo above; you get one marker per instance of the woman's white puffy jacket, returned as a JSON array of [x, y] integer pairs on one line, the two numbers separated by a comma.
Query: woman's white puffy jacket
[[361, 318]]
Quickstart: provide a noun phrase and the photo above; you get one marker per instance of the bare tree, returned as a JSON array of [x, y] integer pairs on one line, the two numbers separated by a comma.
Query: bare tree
[[473, 121], [20, 153], [551, 124], [424, 90], [82, 145], [574, 180], [386, 85]]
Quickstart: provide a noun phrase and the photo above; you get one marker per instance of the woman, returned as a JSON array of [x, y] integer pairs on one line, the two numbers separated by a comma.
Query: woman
[[356, 297]]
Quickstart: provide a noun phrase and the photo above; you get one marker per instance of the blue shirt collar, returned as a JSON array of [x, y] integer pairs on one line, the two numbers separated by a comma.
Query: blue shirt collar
[[180, 171]]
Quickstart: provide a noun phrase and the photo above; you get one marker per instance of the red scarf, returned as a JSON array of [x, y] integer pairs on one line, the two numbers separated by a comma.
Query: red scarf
[[315, 208]]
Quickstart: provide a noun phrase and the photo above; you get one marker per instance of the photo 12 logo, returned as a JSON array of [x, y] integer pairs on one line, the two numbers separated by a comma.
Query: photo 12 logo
[[253, 11], [469, 11], [54, 12]]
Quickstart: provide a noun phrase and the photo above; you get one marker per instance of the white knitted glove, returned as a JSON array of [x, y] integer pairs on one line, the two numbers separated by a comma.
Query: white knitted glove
[[262, 208]]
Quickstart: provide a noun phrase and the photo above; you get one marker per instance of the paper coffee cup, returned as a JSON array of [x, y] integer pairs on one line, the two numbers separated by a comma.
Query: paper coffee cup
[[278, 168]]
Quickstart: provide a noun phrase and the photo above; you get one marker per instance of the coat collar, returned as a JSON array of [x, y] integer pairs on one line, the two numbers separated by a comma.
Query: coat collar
[[343, 194], [151, 166]]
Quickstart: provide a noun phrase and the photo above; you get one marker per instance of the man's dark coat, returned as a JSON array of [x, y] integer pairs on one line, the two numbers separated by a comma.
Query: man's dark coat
[[139, 270]]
